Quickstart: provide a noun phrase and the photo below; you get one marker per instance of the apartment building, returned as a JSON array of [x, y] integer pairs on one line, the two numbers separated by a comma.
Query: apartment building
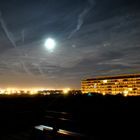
[[128, 84]]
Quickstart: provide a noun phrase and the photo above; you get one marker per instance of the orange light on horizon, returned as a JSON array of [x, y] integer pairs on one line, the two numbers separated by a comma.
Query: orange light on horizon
[[66, 90]]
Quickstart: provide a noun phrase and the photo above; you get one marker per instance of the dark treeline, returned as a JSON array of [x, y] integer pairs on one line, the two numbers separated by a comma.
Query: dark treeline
[[101, 116]]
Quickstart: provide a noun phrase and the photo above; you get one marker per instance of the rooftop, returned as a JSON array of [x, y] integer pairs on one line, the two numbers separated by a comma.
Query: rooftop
[[115, 77]]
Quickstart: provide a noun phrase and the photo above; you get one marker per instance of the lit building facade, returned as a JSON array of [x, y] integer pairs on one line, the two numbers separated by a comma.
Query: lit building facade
[[128, 84]]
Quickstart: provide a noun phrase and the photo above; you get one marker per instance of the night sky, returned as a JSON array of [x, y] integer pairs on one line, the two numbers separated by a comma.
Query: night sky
[[93, 37]]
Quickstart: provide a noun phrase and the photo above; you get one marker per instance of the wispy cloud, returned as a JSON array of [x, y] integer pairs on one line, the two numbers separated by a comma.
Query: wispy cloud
[[81, 17], [10, 38], [93, 38]]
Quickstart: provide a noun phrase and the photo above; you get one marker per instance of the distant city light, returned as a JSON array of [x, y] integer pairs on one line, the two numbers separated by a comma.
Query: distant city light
[[34, 91], [66, 90], [50, 44]]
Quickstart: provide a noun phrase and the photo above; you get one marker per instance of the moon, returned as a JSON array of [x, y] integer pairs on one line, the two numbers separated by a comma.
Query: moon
[[50, 44]]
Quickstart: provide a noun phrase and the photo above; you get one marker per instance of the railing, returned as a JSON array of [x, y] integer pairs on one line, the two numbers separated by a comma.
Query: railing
[[59, 125]]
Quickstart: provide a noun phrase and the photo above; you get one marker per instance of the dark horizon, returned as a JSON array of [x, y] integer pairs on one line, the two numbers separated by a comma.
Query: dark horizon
[[93, 38]]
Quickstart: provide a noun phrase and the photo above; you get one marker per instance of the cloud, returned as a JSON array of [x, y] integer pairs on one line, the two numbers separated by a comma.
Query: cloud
[[81, 17], [106, 36], [10, 38]]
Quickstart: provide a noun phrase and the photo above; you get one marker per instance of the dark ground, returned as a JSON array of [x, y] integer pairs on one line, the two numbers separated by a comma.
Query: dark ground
[[102, 117]]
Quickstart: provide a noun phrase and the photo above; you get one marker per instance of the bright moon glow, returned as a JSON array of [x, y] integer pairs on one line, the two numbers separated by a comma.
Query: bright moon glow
[[50, 44]]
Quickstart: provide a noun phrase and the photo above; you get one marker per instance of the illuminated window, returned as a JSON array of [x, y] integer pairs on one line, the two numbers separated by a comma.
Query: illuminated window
[[104, 81]]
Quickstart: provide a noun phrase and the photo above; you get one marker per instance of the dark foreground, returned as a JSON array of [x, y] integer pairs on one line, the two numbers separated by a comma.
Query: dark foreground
[[97, 116]]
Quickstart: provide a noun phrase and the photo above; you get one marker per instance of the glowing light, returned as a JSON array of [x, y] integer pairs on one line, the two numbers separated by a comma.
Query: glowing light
[[125, 93], [42, 127], [95, 85], [2, 91], [104, 93], [50, 44], [63, 132], [130, 89], [66, 90], [104, 81], [18, 91], [33, 92], [89, 94]]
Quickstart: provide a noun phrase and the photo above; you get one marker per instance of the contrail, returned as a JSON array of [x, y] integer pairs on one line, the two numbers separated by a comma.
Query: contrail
[[23, 39], [81, 17], [9, 36], [3, 25], [79, 22]]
